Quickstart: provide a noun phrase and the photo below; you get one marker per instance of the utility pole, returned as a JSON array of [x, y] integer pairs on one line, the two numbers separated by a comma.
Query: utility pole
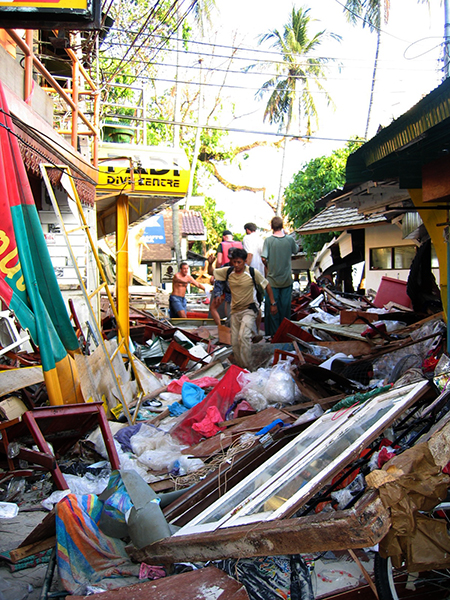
[[197, 133], [447, 39], [176, 144]]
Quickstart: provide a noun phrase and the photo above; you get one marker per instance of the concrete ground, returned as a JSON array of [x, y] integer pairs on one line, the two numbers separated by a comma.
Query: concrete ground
[[27, 583]]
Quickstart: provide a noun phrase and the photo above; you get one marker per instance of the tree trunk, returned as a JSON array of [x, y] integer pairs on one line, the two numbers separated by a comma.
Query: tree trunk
[[375, 66], [280, 186]]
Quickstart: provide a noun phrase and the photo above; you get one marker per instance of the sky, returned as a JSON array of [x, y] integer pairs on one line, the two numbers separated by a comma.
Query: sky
[[409, 68]]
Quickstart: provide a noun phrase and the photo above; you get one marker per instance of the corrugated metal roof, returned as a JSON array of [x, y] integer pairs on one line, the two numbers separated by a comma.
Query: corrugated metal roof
[[192, 223], [339, 219]]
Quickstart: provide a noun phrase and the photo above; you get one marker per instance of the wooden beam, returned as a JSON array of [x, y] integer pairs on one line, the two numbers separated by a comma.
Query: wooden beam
[[25, 551], [364, 525]]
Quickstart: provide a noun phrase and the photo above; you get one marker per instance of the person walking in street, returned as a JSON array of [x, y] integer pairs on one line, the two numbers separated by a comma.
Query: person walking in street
[[177, 299], [244, 304], [253, 243], [276, 255], [219, 298]]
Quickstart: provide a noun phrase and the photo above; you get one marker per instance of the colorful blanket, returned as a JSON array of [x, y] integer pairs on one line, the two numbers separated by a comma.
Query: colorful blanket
[[85, 555]]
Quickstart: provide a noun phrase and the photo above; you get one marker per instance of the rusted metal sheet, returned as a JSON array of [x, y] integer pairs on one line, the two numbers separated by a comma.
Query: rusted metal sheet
[[364, 525], [203, 584]]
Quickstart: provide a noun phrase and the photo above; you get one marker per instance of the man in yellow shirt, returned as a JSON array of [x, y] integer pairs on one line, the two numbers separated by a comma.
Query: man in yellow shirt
[[244, 303]]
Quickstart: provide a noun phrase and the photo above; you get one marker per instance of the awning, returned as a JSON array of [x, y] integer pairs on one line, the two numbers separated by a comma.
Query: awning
[[418, 137]]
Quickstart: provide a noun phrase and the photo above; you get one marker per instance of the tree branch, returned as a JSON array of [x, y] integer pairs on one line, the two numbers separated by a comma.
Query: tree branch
[[238, 188]]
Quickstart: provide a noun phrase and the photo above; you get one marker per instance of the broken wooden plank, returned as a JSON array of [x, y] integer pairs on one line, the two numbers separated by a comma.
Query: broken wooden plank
[[348, 347], [12, 380], [362, 526], [26, 551], [201, 584], [43, 531]]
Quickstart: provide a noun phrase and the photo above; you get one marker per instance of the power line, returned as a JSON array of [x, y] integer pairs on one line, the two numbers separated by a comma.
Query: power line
[[268, 74], [299, 137], [238, 49]]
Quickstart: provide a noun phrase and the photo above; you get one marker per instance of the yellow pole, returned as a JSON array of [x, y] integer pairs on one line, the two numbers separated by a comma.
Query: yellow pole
[[122, 275], [433, 221]]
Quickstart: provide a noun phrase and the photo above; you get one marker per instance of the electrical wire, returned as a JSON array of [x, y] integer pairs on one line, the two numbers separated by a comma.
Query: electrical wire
[[28, 145], [369, 23], [237, 48]]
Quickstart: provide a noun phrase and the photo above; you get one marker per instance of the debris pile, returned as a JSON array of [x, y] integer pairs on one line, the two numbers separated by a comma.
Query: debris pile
[[199, 473]]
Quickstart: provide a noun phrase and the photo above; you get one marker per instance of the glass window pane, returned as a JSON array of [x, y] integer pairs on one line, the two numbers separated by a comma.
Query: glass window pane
[[381, 258], [301, 445], [366, 422], [434, 258], [403, 256]]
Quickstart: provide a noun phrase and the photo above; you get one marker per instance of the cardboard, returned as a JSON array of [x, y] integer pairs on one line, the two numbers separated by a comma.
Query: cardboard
[[12, 408], [224, 334]]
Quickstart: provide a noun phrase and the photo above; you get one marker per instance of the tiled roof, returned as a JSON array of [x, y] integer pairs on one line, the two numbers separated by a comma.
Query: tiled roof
[[339, 219], [191, 223]]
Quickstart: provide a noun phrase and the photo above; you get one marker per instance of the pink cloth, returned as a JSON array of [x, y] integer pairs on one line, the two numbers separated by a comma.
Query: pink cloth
[[207, 426], [175, 386], [151, 572]]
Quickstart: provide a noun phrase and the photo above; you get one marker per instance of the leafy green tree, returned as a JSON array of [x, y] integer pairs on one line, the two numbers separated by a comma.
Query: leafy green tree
[[318, 177], [298, 75]]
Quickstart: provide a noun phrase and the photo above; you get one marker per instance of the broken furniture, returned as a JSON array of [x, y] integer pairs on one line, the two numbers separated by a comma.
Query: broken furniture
[[180, 356], [62, 426]]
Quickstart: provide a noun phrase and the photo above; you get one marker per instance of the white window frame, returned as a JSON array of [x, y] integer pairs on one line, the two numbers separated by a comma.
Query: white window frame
[[336, 425]]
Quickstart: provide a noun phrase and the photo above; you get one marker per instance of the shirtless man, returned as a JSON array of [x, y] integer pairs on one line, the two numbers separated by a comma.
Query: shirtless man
[[177, 299]]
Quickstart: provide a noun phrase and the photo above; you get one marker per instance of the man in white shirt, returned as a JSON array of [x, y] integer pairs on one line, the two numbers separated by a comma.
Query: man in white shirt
[[253, 243]]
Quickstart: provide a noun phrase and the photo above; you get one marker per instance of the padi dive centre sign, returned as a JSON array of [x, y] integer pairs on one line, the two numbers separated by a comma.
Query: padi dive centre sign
[[50, 14], [142, 170], [154, 232]]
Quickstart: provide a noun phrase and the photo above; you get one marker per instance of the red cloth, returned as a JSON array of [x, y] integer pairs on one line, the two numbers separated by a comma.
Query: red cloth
[[221, 396]]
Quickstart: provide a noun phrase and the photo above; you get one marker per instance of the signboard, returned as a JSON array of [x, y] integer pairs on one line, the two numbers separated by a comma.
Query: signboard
[[154, 232], [142, 170], [168, 270], [48, 14]]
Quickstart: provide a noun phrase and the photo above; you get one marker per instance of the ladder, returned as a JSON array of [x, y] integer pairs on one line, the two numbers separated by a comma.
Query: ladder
[[123, 347]]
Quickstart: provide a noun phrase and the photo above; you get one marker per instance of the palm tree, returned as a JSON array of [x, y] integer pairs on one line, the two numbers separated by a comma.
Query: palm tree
[[371, 13], [297, 73]]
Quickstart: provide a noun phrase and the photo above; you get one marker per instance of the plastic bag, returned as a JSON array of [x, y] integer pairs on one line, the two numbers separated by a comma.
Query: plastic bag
[[191, 394], [256, 400], [151, 438], [256, 381], [442, 373], [8, 510], [310, 415], [281, 387], [207, 426]]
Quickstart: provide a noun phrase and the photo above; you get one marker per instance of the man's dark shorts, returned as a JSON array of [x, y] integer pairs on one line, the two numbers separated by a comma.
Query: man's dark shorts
[[176, 303]]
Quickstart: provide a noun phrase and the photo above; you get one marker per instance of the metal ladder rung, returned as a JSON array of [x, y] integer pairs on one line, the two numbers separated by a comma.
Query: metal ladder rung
[[116, 351], [80, 227], [95, 292]]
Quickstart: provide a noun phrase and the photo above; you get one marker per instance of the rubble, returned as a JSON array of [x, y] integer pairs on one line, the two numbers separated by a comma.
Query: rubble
[[205, 431]]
